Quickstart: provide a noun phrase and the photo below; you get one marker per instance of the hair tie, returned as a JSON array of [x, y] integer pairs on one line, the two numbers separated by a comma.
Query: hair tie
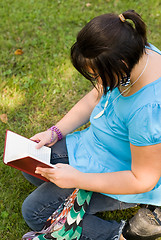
[[122, 18]]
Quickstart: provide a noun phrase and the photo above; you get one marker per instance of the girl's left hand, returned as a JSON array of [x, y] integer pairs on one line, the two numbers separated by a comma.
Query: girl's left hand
[[64, 175]]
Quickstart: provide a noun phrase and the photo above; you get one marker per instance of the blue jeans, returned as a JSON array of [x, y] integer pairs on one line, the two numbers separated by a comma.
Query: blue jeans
[[42, 202]]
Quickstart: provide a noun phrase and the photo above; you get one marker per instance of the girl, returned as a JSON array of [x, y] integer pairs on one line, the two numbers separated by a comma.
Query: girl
[[118, 156]]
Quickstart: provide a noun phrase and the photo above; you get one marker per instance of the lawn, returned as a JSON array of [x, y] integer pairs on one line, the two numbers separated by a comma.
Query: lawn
[[38, 84]]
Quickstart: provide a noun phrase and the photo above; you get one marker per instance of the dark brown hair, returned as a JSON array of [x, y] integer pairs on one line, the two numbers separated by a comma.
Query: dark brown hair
[[109, 47]]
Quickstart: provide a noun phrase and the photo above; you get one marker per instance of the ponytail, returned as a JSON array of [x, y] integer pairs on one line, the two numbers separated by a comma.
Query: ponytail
[[139, 24]]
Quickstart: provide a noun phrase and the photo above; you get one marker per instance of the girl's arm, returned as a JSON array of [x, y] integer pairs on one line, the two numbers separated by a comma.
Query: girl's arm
[[75, 118], [79, 114], [145, 173]]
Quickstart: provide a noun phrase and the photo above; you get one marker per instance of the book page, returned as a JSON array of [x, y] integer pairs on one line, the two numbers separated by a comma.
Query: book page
[[15, 147], [18, 147], [43, 154]]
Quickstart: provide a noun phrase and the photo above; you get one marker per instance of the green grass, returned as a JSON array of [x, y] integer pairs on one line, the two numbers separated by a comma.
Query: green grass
[[40, 86]]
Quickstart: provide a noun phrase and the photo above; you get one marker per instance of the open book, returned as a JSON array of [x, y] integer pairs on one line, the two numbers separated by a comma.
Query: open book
[[20, 153]]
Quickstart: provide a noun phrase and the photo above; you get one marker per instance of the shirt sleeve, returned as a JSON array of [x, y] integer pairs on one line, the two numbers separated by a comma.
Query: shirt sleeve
[[145, 125]]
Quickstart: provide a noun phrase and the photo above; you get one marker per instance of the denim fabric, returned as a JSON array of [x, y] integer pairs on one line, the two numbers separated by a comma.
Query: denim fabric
[[41, 203]]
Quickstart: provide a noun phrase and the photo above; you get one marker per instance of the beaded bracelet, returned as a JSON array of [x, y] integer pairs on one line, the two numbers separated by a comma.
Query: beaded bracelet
[[57, 131]]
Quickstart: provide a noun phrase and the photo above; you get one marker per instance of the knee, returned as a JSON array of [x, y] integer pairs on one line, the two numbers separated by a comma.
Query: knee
[[31, 215], [27, 209]]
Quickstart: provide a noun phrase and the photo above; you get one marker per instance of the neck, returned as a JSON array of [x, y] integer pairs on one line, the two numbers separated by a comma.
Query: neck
[[136, 76], [139, 69]]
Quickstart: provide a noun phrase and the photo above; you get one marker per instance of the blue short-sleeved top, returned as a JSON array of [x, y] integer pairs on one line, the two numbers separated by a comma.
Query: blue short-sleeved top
[[105, 145]]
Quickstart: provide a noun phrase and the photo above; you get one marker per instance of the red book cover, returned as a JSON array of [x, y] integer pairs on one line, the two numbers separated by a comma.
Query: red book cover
[[26, 162]]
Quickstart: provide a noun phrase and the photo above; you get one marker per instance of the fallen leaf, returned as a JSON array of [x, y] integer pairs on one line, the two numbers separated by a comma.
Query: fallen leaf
[[4, 118], [18, 52], [88, 4]]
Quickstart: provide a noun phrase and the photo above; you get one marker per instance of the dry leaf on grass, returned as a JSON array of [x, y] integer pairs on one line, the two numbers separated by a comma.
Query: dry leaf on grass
[[4, 118], [18, 52], [88, 4]]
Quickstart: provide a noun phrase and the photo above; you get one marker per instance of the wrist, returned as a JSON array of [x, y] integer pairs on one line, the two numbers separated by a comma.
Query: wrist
[[55, 131], [53, 136]]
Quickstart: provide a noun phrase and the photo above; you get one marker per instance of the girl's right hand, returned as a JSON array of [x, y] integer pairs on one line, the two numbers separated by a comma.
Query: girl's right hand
[[43, 138]]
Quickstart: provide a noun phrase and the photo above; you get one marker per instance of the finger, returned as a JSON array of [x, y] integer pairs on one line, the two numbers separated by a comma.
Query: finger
[[39, 170], [45, 176], [50, 144], [35, 137], [60, 165], [49, 176], [37, 141], [44, 170], [40, 144]]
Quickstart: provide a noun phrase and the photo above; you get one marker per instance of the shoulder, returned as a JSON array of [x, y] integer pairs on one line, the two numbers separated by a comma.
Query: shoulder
[[144, 125], [153, 48], [147, 97]]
